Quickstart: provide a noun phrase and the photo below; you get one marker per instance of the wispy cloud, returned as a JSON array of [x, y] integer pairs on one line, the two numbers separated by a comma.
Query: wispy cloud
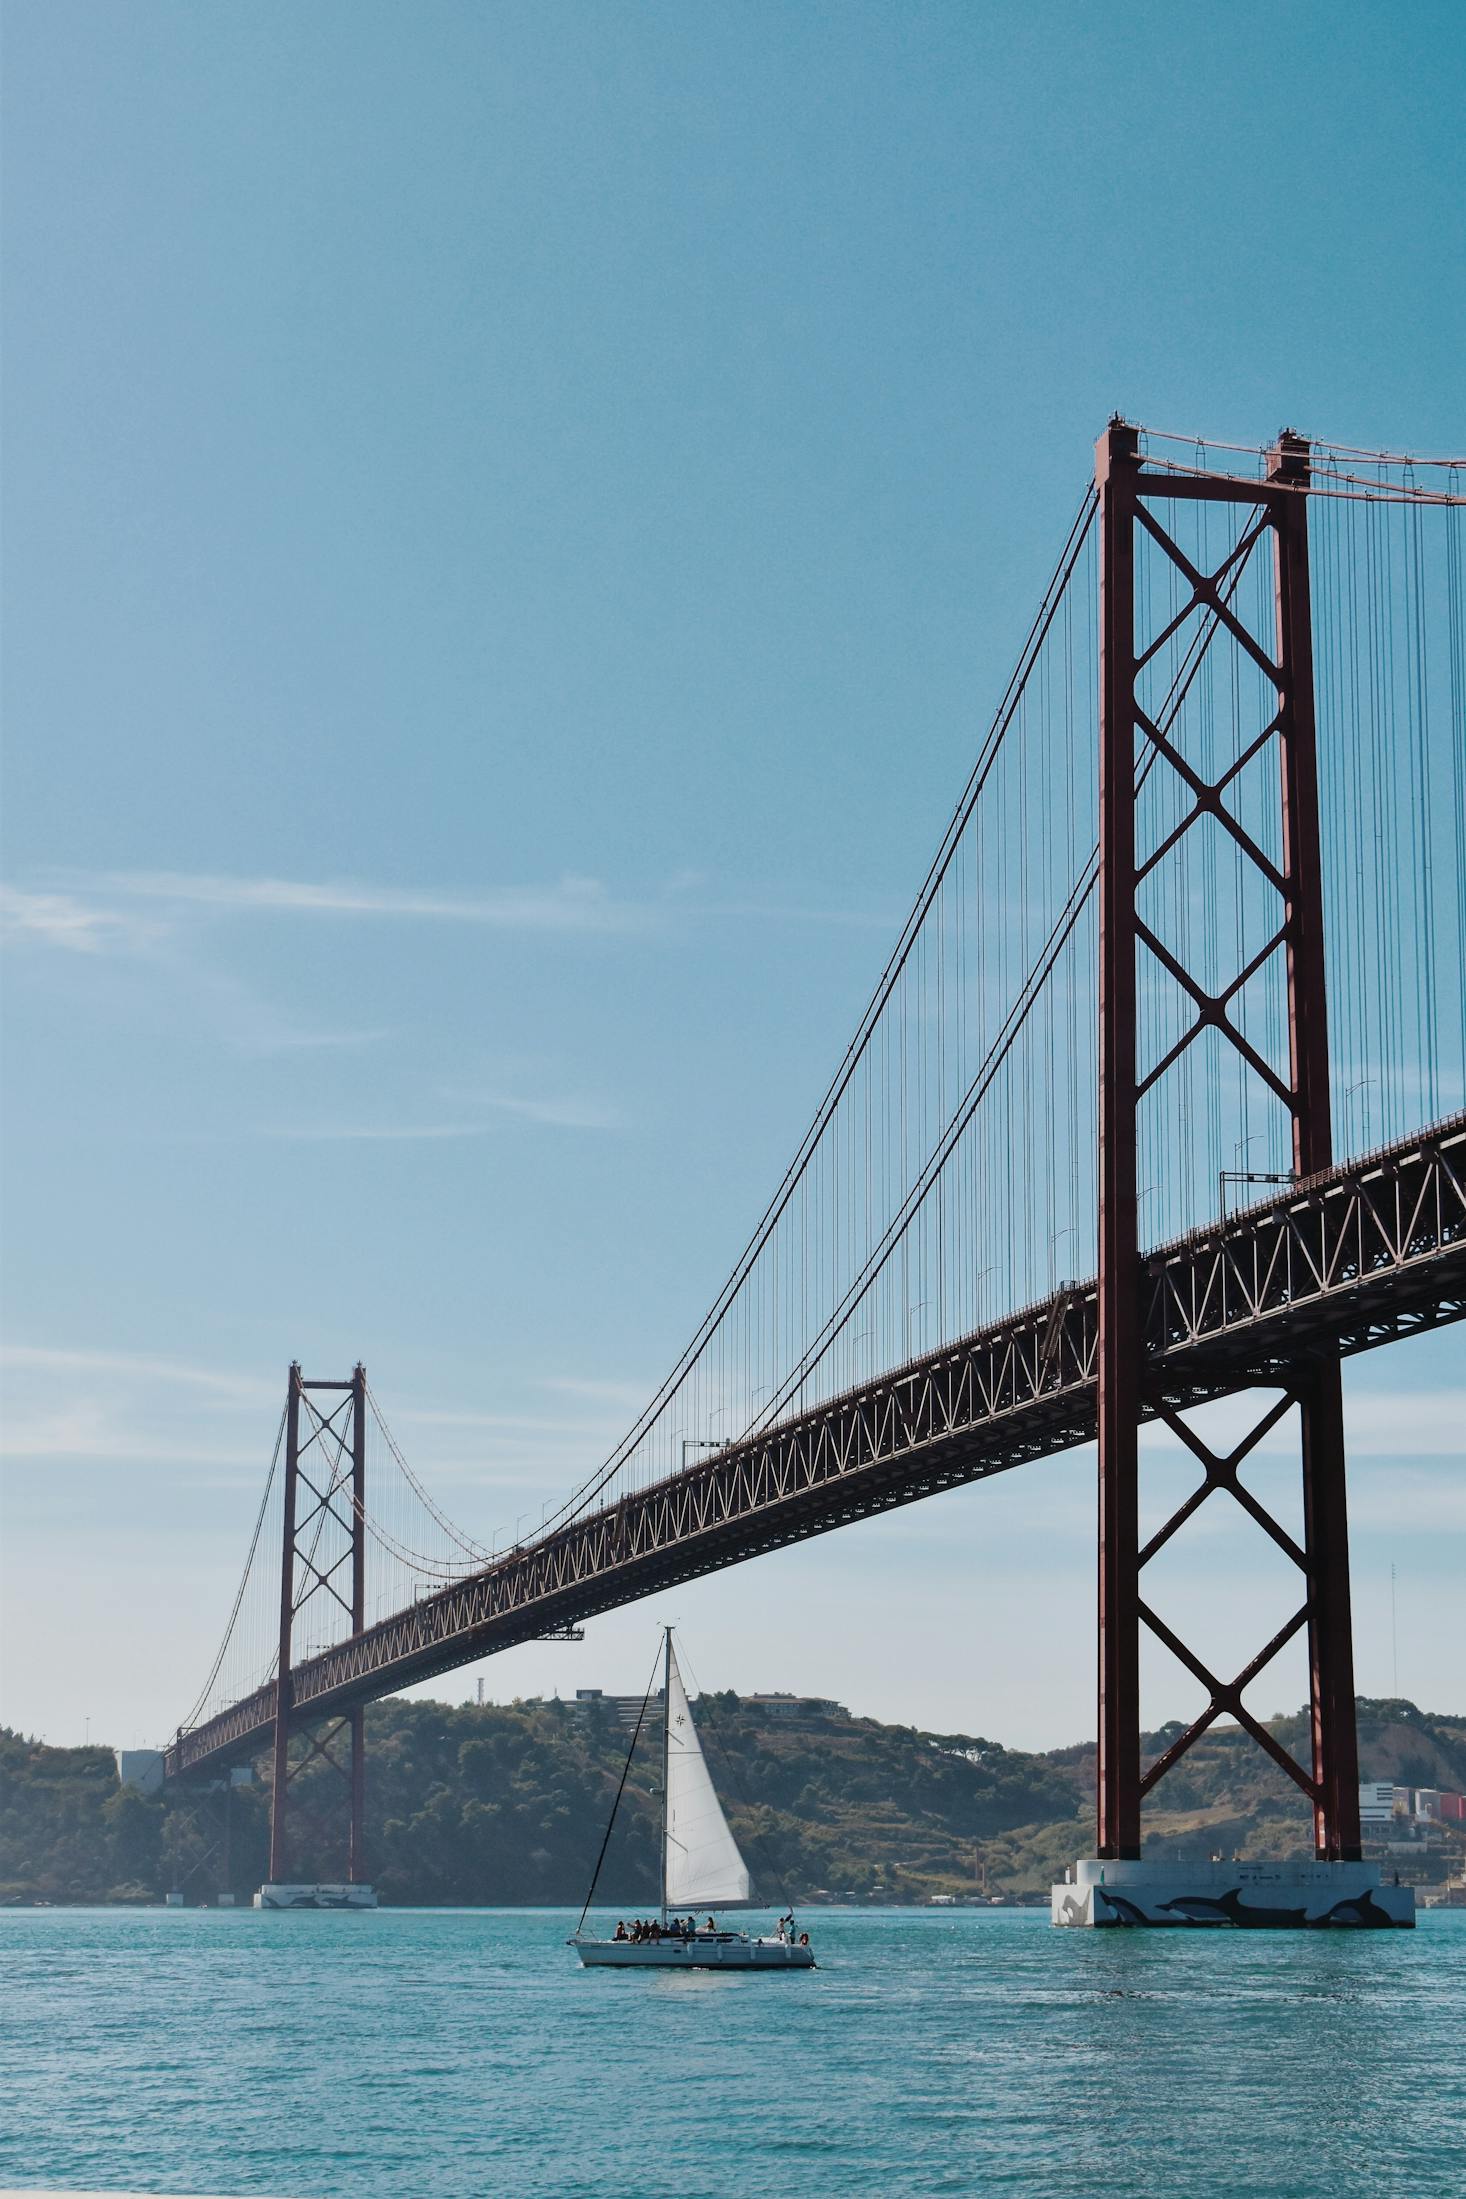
[[247, 1021], [96, 913], [50, 1359], [793, 914], [569, 905], [367, 1133], [471, 1112], [73, 1404], [695, 894], [554, 1114], [571, 1112], [90, 1431], [628, 1396], [62, 920], [276, 1041], [1405, 1424], [1408, 1500]]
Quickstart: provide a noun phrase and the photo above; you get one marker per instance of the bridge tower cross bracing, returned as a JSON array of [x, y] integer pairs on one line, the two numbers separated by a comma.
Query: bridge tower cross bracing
[[1130, 743], [334, 1512]]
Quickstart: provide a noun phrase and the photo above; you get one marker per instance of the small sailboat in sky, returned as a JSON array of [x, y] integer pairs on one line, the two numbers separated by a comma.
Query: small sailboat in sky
[[702, 1869]]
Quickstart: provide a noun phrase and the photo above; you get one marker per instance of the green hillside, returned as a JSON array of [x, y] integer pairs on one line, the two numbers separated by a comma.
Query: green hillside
[[508, 1804]]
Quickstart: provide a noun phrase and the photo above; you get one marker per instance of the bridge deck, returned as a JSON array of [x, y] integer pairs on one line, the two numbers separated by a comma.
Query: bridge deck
[[1354, 1258]]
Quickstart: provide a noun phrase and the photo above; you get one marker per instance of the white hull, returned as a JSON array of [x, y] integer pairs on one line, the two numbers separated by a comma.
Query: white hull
[[719, 1951], [1250, 1896], [316, 1897]]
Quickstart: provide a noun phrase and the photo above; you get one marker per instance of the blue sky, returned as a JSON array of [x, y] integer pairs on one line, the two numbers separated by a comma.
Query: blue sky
[[515, 520]]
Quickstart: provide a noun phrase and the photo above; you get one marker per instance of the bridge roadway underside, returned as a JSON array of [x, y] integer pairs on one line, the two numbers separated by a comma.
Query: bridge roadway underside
[[1370, 1251]]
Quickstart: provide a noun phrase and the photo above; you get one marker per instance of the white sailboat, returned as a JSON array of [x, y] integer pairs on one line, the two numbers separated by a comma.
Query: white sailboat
[[702, 1869]]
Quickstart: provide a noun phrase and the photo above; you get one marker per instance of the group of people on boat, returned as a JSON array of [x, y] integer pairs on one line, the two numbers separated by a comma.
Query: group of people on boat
[[645, 1930], [651, 1931]]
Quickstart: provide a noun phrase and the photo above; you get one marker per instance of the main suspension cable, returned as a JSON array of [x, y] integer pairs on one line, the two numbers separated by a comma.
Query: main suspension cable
[[977, 779], [254, 1543]]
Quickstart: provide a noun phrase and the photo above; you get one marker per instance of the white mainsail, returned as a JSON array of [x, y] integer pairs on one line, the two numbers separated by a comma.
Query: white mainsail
[[703, 1865]]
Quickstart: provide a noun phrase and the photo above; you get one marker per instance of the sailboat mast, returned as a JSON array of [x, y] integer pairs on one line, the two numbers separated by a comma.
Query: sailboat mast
[[666, 1754]]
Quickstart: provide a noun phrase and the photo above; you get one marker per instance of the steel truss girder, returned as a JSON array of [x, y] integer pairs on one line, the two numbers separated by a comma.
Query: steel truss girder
[[1347, 1261]]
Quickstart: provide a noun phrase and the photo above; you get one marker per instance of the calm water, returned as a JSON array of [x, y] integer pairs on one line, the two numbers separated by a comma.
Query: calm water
[[466, 2052]]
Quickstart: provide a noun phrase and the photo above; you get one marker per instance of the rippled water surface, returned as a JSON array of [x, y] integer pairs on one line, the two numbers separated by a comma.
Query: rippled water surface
[[465, 2052]]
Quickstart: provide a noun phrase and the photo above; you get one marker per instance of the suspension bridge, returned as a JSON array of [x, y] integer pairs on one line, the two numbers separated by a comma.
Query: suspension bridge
[[1157, 1101]]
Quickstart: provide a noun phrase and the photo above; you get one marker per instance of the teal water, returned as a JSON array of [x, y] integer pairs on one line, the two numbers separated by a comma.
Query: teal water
[[457, 2052]]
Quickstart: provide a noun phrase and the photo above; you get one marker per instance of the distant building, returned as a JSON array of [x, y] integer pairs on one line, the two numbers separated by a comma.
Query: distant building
[[625, 1709], [780, 1705], [140, 1768], [1428, 1805], [1377, 1802], [1381, 1801]]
